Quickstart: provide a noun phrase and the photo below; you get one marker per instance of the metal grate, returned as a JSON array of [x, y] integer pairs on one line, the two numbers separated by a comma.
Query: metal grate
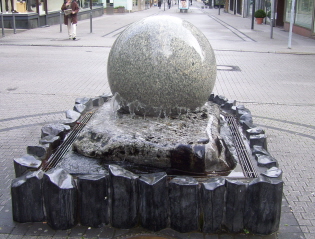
[[242, 153], [65, 146]]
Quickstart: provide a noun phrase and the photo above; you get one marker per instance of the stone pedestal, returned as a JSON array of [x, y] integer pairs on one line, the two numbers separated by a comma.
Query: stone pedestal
[[184, 204], [153, 206], [212, 200], [60, 199], [235, 205], [93, 200], [27, 200], [124, 197], [263, 205]]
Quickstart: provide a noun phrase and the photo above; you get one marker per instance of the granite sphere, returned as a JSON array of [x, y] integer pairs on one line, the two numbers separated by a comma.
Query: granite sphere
[[162, 62]]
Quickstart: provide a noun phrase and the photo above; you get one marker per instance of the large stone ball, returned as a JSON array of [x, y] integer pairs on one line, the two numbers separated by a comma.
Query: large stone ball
[[162, 62]]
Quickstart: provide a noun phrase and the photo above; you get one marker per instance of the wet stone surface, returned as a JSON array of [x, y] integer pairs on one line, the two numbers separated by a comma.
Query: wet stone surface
[[187, 143]]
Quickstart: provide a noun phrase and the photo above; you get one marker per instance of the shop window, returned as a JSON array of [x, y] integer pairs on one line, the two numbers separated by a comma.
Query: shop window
[[303, 16], [303, 13]]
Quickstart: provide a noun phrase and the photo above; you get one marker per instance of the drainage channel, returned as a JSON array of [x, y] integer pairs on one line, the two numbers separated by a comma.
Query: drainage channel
[[244, 158], [67, 144], [242, 153]]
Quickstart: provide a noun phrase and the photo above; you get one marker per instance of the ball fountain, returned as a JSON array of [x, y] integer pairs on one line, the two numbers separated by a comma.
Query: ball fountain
[[161, 147]]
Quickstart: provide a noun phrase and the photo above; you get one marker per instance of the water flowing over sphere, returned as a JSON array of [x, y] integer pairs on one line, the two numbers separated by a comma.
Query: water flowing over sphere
[[162, 62]]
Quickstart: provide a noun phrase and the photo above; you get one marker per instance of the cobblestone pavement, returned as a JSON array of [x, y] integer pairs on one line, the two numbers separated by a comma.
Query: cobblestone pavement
[[42, 72]]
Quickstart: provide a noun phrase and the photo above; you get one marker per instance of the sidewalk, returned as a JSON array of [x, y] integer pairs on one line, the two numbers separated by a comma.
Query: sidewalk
[[43, 72]]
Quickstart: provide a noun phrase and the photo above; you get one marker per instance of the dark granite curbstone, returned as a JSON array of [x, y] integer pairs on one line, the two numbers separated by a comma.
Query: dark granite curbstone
[[71, 114], [82, 105], [123, 197], [235, 205], [212, 204], [219, 99], [106, 97], [53, 142], [258, 139], [153, 206], [184, 204], [93, 200], [25, 164], [266, 161], [60, 199], [27, 200], [39, 151], [263, 205], [98, 101], [228, 105], [211, 97], [80, 108], [273, 172], [246, 119], [58, 129], [88, 102], [257, 149], [254, 131]]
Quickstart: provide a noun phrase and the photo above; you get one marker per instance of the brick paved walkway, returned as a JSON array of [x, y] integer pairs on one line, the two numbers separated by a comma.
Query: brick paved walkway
[[39, 82]]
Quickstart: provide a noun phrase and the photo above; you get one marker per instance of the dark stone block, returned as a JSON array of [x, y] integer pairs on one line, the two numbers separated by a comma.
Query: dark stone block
[[188, 158], [241, 110], [266, 161], [93, 200], [273, 172], [60, 199], [259, 139], [211, 97], [256, 149], [247, 125], [26, 163], [254, 131], [80, 108], [246, 118], [69, 122], [263, 205], [184, 204], [153, 206], [233, 110], [53, 141], [220, 100], [60, 130], [88, 102], [124, 197], [98, 101], [235, 205], [106, 97], [74, 115], [39, 151], [27, 200], [212, 201], [229, 104]]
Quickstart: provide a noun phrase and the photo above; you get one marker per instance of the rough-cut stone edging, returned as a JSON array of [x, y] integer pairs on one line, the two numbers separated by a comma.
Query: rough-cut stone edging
[[125, 200]]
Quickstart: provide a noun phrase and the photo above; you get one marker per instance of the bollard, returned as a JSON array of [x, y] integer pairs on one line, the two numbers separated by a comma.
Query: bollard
[[2, 24], [14, 27], [91, 21], [60, 20]]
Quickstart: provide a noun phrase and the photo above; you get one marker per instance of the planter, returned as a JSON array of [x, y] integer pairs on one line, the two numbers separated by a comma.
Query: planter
[[120, 10], [259, 20]]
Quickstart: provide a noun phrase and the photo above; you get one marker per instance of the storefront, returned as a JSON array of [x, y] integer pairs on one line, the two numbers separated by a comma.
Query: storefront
[[303, 17], [28, 14]]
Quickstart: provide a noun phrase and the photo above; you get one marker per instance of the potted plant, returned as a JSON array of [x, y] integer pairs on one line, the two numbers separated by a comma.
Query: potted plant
[[120, 9], [260, 15]]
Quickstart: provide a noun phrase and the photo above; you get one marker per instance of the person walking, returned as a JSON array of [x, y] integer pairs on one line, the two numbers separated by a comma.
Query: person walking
[[71, 9], [12, 6]]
